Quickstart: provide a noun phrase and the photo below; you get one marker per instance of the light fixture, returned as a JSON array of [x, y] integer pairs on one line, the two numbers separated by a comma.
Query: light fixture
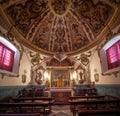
[[96, 75], [24, 76], [47, 77]]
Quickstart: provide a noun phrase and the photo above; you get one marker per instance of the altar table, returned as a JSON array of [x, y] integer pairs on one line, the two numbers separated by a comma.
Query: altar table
[[61, 96]]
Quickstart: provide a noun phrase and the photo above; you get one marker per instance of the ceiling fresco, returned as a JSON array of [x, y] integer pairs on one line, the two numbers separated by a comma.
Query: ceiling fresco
[[59, 25]]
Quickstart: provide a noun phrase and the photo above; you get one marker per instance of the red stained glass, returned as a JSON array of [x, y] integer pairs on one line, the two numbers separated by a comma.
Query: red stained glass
[[113, 55], [6, 58]]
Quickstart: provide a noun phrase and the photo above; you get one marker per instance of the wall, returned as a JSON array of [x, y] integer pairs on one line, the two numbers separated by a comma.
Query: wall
[[107, 84], [12, 91], [9, 91], [102, 89], [9, 86], [110, 89]]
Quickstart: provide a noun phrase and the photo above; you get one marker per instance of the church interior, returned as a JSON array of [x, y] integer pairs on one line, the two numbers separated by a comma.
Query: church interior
[[59, 57]]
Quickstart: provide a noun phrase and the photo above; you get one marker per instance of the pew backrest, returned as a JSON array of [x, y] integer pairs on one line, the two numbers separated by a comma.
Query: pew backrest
[[114, 112], [28, 114]]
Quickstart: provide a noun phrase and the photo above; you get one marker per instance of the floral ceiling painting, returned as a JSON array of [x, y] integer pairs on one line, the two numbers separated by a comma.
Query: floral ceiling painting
[[59, 25]]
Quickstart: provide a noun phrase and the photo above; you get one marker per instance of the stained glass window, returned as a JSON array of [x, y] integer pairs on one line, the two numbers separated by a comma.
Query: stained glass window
[[6, 58], [113, 55]]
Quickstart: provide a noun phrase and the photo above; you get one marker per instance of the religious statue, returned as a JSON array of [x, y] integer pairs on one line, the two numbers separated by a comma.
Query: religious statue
[[38, 78], [81, 78]]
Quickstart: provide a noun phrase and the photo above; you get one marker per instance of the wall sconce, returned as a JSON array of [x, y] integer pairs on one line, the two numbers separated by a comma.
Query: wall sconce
[[74, 76], [2, 75], [96, 75], [24, 76], [47, 78]]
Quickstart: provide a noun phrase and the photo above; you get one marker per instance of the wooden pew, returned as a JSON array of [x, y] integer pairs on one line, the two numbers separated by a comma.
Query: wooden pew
[[29, 114], [87, 97], [112, 96], [88, 104], [20, 106], [73, 98], [113, 112], [95, 102], [34, 99]]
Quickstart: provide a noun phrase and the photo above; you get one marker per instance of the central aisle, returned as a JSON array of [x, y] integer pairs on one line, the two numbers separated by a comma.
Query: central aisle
[[61, 110]]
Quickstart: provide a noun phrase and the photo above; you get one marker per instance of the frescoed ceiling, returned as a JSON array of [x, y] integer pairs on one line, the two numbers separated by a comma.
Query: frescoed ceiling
[[52, 26]]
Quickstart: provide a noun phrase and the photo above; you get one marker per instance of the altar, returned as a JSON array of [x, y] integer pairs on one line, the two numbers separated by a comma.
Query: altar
[[61, 95]]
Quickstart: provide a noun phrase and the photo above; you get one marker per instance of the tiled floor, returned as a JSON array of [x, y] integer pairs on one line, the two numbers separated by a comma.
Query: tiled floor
[[61, 110]]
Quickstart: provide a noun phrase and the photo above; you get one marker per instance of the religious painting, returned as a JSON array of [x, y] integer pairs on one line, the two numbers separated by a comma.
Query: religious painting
[[60, 78]]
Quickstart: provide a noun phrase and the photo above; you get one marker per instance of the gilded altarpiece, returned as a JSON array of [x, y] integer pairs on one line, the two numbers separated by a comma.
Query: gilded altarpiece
[[60, 78]]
